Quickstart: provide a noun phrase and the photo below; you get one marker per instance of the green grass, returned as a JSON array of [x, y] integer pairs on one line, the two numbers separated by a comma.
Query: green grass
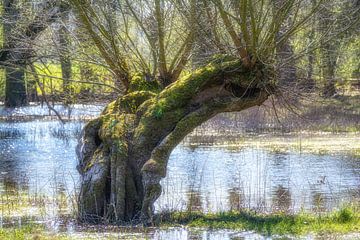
[[31, 231], [38, 232], [343, 221]]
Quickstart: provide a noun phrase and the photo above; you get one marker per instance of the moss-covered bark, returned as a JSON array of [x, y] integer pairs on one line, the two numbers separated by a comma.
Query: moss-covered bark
[[123, 153]]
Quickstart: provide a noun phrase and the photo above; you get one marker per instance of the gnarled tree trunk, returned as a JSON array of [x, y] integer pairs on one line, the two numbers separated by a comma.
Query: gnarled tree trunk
[[123, 154]]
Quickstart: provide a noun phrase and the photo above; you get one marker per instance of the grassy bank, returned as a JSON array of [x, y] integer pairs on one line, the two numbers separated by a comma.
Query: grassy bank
[[337, 223], [343, 221], [29, 232]]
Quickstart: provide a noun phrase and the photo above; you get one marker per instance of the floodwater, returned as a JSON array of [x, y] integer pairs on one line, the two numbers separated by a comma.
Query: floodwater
[[38, 161]]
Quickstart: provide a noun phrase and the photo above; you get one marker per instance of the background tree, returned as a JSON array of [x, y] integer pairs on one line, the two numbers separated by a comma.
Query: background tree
[[19, 31], [64, 52], [333, 16]]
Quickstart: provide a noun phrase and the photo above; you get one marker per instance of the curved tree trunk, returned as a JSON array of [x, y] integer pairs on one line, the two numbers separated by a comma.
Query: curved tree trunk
[[123, 154]]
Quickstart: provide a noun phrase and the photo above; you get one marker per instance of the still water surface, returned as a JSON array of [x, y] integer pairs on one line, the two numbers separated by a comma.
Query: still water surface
[[38, 157]]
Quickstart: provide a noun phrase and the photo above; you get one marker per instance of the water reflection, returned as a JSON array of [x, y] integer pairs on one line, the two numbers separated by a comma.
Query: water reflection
[[178, 233], [236, 199], [258, 179], [194, 201], [38, 157], [282, 200], [318, 202], [71, 111], [192, 234]]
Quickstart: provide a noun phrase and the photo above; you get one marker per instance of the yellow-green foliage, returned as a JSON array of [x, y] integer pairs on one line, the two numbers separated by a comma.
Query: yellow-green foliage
[[50, 75], [349, 64]]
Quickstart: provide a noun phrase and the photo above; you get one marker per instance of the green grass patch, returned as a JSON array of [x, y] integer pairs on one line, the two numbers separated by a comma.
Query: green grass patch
[[30, 231], [345, 220]]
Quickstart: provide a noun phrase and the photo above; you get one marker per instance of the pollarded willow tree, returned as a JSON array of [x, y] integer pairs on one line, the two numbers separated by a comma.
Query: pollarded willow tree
[[148, 45]]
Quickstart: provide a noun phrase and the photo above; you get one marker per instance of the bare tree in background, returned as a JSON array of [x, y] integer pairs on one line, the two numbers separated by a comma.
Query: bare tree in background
[[333, 18], [19, 32], [65, 53]]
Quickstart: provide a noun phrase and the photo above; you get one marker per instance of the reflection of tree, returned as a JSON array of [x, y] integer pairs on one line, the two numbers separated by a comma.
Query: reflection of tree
[[61, 197], [280, 160], [194, 201], [318, 202], [192, 147], [196, 235], [201, 139], [236, 199], [10, 185], [355, 193], [281, 199], [11, 179]]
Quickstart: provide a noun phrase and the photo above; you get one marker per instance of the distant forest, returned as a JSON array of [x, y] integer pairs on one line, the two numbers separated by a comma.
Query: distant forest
[[72, 51]]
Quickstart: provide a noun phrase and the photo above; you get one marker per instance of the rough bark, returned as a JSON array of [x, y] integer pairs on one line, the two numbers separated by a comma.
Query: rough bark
[[123, 154]]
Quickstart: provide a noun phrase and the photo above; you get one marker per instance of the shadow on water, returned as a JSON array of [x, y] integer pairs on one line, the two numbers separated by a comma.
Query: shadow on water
[[39, 181]]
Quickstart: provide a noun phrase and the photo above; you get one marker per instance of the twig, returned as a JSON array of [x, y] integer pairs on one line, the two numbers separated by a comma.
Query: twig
[[36, 77]]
